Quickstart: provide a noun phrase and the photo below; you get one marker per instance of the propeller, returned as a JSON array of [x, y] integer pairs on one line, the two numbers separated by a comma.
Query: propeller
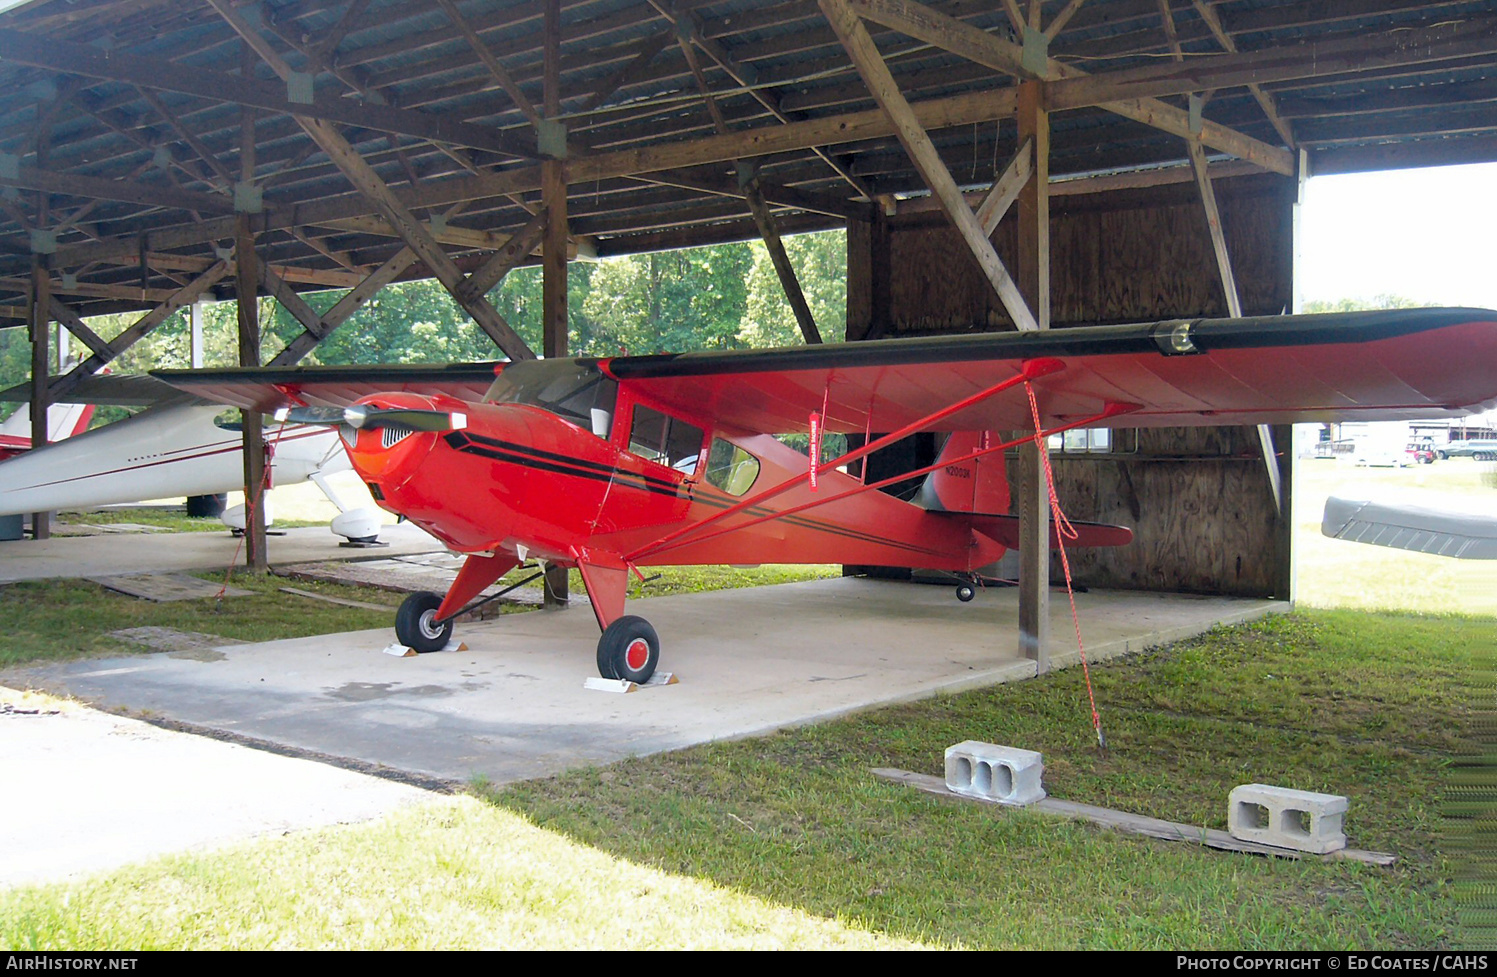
[[362, 416]]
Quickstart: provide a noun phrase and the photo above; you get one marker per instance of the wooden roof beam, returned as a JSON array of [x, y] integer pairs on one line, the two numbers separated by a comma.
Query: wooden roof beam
[[974, 44], [19, 47], [927, 161]]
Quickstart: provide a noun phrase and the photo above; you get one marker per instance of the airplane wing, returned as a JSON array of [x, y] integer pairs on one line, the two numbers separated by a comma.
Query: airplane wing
[[1387, 365], [1462, 535], [118, 389], [330, 386]]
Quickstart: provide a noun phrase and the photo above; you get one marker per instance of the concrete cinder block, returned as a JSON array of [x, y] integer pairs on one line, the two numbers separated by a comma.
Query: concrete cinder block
[[995, 773], [1285, 818]]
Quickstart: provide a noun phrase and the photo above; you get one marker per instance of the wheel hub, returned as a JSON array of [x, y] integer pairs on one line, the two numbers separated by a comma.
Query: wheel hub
[[637, 654]]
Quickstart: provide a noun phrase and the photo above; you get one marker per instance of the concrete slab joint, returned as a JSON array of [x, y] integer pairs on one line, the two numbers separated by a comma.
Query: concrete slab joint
[[995, 773], [1297, 819]]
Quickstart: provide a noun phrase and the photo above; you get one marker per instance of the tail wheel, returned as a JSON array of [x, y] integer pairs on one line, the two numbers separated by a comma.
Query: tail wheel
[[415, 623], [965, 592], [629, 649]]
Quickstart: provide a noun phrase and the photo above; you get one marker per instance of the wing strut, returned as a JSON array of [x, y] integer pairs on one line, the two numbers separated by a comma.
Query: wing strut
[[1031, 370], [1111, 410]]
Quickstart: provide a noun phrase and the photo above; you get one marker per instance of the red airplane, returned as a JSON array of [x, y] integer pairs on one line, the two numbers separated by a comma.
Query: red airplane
[[616, 464]]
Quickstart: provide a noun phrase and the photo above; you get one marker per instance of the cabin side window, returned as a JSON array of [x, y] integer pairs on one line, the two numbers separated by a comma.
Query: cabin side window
[[730, 468], [665, 440]]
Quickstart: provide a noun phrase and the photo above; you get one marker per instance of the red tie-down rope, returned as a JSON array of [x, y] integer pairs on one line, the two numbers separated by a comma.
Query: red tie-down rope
[[251, 503], [1064, 531]]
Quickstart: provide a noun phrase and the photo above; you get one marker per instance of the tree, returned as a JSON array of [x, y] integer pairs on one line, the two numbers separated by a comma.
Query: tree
[[1384, 301], [820, 262], [669, 301]]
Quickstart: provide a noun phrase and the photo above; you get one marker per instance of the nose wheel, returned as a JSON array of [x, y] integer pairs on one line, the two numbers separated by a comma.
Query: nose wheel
[[415, 623], [629, 649]]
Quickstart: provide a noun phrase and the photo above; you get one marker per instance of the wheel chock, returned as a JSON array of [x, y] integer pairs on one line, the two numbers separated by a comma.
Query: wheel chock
[[624, 685], [399, 650]]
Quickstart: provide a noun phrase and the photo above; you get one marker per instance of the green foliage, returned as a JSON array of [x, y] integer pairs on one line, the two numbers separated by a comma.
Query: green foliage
[[669, 301], [820, 262], [721, 297], [1383, 301]]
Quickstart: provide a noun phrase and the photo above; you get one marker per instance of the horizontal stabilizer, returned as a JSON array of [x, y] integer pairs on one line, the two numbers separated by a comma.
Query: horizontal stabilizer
[[1005, 529], [1461, 535]]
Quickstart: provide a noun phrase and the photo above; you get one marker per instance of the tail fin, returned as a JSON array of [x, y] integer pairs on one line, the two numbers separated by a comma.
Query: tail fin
[[979, 488], [975, 485]]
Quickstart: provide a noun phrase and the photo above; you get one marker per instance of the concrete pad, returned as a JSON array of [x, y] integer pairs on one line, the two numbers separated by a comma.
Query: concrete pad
[[513, 706], [85, 791], [88, 556]]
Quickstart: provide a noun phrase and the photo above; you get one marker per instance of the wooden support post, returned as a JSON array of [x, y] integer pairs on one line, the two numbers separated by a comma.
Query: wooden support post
[[41, 319], [195, 347], [247, 299], [554, 251], [1034, 283]]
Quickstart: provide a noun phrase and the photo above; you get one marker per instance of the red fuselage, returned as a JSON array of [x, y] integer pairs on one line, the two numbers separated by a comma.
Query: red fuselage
[[522, 481]]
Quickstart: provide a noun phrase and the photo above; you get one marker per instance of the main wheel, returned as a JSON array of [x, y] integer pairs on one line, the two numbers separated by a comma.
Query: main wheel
[[629, 649], [415, 623], [965, 592]]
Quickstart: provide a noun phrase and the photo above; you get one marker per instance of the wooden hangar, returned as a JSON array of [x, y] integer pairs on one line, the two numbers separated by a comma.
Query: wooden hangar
[[996, 165]]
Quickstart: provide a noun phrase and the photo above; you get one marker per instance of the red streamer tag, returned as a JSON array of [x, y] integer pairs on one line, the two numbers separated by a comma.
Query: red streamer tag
[[815, 447]]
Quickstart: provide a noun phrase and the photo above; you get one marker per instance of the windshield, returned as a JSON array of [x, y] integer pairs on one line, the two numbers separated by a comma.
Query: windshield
[[573, 389]]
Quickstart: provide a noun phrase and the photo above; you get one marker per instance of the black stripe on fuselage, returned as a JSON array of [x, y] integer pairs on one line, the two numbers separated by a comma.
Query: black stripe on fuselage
[[497, 450]]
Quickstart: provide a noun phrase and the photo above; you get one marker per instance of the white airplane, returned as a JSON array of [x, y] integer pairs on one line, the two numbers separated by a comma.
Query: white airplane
[[181, 447], [63, 421], [1462, 534]]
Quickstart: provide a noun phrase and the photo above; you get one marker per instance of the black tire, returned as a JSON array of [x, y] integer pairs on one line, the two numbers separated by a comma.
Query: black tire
[[629, 649], [206, 506], [414, 625], [965, 592]]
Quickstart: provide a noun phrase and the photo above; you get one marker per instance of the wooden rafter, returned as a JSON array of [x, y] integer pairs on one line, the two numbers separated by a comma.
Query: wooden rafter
[[974, 44], [386, 273], [501, 74], [1263, 98], [368, 183], [22, 48], [186, 295], [1005, 189], [923, 154]]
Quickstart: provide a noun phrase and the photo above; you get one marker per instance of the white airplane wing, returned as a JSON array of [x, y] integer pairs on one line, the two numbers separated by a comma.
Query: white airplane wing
[[1443, 532]]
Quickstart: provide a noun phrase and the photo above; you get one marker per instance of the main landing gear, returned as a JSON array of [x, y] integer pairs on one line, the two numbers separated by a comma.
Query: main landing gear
[[629, 648], [416, 623]]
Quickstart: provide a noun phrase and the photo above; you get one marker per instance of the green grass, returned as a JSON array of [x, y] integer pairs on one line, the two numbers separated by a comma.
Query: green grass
[[453, 874], [170, 518], [1364, 705], [788, 840], [53, 620]]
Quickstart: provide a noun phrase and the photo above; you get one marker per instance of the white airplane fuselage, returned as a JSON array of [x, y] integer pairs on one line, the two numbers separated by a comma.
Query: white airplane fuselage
[[162, 452]]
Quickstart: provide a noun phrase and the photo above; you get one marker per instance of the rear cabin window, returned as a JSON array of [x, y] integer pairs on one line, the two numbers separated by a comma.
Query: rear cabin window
[[730, 468], [665, 440]]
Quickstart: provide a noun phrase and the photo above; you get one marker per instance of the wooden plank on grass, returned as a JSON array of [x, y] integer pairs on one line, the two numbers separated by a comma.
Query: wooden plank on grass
[[1135, 823], [166, 586]]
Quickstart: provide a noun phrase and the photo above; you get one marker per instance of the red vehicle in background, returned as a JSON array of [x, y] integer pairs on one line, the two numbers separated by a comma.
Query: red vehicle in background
[[1421, 452]]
